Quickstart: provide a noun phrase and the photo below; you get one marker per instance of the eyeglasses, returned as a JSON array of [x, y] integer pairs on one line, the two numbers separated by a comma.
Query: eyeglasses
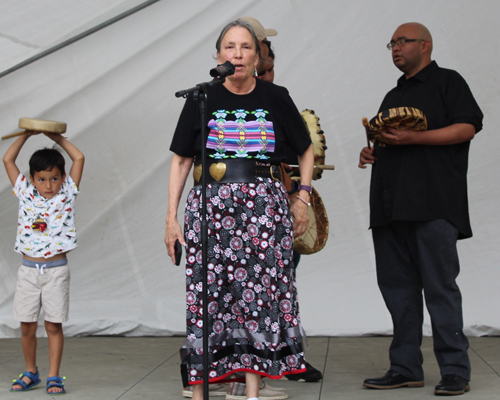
[[402, 42]]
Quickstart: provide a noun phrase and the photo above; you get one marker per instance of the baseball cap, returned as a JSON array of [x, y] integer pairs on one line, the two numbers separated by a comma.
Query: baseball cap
[[259, 30]]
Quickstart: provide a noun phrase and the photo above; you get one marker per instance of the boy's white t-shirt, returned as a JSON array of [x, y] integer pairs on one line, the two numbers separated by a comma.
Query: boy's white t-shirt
[[46, 227]]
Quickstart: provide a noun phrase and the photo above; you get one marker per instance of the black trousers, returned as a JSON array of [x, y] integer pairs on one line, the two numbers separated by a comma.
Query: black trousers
[[412, 257]]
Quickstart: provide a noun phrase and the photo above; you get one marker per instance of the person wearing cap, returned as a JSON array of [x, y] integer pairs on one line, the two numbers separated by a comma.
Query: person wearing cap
[[311, 374], [268, 73]]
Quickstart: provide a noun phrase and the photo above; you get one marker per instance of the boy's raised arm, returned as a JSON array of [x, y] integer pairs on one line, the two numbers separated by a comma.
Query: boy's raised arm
[[76, 156], [9, 159]]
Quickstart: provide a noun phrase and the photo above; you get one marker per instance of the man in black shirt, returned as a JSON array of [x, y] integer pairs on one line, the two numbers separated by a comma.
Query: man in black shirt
[[418, 210]]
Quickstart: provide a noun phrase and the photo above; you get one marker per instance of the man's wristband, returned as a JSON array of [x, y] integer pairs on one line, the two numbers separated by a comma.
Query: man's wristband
[[308, 189]]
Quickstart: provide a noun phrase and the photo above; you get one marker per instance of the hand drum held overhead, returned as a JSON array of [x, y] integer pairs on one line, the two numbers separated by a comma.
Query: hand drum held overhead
[[38, 125]]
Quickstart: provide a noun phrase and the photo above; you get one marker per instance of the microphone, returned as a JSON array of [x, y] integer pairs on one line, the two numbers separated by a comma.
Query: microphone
[[222, 70]]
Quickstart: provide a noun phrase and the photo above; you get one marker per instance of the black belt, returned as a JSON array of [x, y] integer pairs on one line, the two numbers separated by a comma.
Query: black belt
[[236, 171]]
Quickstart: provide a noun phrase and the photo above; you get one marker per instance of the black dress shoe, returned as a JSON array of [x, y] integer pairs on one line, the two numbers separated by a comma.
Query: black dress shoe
[[311, 375], [392, 380], [452, 385]]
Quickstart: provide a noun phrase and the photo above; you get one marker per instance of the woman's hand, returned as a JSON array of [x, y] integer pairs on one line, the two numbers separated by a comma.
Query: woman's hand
[[179, 171], [300, 214], [172, 233], [299, 207]]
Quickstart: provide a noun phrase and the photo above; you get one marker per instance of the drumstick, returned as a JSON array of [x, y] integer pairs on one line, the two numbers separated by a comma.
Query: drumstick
[[22, 133], [329, 167], [13, 135], [365, 124]]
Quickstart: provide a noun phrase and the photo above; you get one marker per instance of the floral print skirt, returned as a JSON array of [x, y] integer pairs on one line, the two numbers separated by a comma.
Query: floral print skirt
[[254, 323]]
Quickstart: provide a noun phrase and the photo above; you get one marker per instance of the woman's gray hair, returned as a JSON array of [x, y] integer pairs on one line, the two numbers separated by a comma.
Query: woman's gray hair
[[243, 24]]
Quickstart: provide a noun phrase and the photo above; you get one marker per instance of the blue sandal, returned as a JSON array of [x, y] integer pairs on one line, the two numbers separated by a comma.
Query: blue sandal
[[55, 381], [35, 380]]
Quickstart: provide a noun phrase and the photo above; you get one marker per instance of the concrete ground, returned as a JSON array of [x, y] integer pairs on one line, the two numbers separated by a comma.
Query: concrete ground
[[112, 368]]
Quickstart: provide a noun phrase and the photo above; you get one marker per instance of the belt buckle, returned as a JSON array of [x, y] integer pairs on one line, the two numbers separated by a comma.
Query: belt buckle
[[272, 174]]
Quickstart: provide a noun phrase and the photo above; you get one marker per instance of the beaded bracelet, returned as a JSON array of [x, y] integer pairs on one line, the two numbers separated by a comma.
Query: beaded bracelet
[[305, 202]]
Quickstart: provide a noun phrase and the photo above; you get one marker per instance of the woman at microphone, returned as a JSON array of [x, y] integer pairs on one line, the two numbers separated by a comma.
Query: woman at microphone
[[254, 323]]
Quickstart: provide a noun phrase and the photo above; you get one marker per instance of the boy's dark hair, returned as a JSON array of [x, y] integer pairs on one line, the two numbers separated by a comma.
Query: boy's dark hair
[[45, 160]]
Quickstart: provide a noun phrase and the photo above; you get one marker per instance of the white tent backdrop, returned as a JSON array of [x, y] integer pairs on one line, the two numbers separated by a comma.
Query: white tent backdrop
[[115, 89]]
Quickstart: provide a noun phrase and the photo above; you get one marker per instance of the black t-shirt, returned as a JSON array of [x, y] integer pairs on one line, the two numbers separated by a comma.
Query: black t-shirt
[[250, 126], [423, 182]]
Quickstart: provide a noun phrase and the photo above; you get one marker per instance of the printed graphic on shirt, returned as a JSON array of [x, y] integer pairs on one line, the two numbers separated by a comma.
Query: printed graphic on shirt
[[241, 134], [46, 227]]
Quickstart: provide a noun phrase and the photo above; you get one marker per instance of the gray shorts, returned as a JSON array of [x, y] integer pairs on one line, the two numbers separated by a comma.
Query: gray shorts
[[42, 286]]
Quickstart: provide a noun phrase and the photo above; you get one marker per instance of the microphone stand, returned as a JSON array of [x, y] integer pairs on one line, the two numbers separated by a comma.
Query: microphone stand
[[200, 96]]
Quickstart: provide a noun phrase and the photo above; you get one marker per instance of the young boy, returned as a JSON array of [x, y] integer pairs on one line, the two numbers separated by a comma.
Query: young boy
[[46, 232]]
